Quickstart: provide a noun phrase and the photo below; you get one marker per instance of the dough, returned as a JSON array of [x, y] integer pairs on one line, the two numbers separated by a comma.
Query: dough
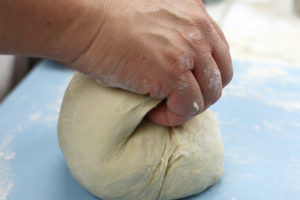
[[115, 153]]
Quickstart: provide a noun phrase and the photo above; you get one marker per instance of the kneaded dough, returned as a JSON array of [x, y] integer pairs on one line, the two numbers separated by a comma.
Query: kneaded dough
[[115, 153]]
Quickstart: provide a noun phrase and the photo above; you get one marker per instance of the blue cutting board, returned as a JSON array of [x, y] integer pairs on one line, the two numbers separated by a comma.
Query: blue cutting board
[[259, 116]]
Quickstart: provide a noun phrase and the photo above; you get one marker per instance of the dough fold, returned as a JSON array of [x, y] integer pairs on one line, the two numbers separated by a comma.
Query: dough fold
[[115, 153]]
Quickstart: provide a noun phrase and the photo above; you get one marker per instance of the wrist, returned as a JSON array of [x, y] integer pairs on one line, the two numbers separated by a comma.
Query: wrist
[[78, 33], [54, 29]]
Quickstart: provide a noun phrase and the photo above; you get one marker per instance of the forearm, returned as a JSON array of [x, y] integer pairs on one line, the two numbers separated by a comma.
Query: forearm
[[47, 28]]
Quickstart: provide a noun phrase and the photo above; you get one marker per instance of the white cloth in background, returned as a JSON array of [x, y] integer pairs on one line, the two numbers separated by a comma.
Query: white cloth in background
[[12, 70]]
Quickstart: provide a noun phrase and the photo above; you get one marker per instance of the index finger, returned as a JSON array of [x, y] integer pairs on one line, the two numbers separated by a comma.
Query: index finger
[[182, 104]]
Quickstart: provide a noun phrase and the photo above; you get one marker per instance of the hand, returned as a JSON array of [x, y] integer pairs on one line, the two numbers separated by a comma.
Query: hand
[[169, 49]]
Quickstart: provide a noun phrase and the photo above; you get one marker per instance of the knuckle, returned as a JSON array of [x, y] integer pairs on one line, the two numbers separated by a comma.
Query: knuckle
[[158, 90], [202, 22], [180, 62], [198, 40]]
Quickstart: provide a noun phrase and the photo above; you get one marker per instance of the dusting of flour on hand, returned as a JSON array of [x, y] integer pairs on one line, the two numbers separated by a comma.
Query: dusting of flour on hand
[[213, 76], [196, 106]]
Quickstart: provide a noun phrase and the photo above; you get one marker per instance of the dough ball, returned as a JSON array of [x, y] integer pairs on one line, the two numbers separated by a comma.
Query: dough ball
[[115, 153]]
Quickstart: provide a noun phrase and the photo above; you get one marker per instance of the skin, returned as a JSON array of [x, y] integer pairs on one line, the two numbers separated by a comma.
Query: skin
[[168, 49]]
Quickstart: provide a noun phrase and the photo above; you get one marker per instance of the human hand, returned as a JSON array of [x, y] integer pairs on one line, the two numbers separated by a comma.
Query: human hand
[[169, 49]]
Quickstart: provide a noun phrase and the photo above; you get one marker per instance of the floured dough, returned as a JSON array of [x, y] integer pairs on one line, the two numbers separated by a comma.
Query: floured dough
[[117, 154]]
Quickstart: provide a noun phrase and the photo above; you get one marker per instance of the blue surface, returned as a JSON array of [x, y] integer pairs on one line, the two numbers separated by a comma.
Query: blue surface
[[259, 116]]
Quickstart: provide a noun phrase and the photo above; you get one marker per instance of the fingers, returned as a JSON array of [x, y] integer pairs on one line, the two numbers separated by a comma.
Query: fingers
[[162, 115], [222, 58], [209, 79], [202, 86], [198, 89], [183, 103], [212, 40], [221, 53]]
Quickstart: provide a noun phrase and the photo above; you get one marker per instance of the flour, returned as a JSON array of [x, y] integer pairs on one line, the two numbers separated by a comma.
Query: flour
[[35, 116], [185, 62], [268, 83], [291, 174], [273, 126], [48, 114], [45, 114], [214, 78], [256, 128], [7, 157], [196, 106], [236, 156], [6, 174]]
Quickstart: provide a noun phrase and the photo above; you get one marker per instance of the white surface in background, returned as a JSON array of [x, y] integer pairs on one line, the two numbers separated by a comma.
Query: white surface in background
[[265, 30]]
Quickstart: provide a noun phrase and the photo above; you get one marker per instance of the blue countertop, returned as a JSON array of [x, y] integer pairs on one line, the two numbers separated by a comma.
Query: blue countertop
[[259, 116]]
